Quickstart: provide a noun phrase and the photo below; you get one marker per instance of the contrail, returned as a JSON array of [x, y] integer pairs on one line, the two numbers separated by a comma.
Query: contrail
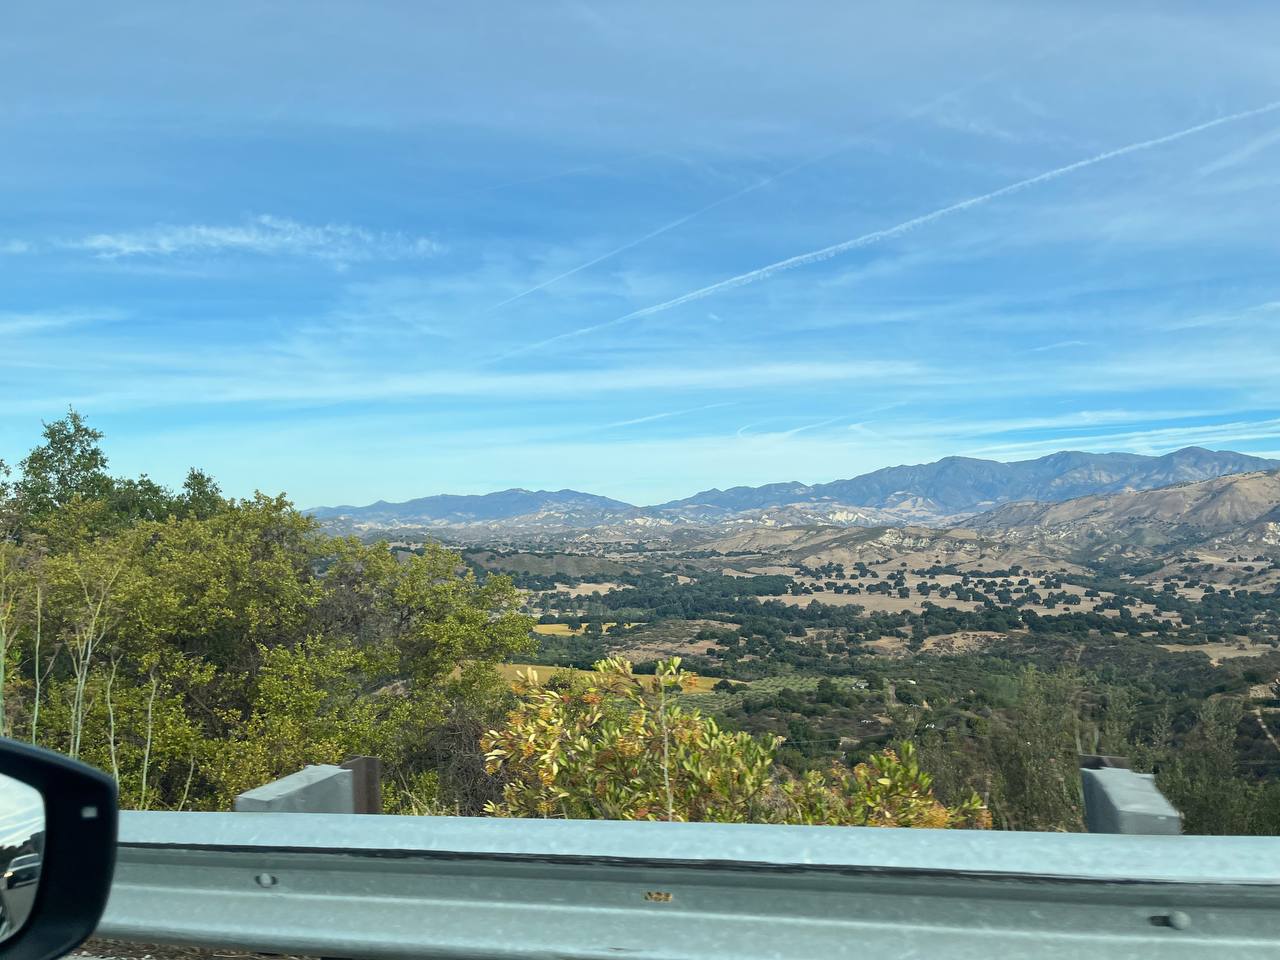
[[663, 416], [750, 188], [657, 232], [867, 239], [817, 158]]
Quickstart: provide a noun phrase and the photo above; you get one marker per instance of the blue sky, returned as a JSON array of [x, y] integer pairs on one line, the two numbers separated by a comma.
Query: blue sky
[[384, 250]]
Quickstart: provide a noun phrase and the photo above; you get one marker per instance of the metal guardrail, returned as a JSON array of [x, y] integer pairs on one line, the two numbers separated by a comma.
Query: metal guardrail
[[446, 887]]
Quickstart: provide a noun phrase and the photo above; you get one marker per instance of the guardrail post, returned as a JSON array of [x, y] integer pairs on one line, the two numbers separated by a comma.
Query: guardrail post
[[1117, 800], [314, 789], [367, 783]]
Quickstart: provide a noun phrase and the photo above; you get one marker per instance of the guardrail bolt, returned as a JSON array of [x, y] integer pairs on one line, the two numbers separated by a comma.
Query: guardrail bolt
[[1175, 919], [266, 880]]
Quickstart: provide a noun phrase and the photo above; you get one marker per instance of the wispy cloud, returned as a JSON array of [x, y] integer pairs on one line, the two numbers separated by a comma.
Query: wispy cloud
[[635, 421], [657, 232], [943, 99], [1001, 433], [749, 429], [15, 324], [906, 226], [1160, 438], [815, 425], [974, 126], [1240, 155], [943, 431], [1246, 314], [299, 384], [681, 220], [263, 235], [1060, 345]]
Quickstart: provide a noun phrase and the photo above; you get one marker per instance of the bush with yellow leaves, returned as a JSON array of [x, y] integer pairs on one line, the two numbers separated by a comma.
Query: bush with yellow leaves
[[618, 746]]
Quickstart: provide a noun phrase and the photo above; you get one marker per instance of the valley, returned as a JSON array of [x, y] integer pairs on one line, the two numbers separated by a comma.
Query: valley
[[1179, 562], [841, 640]]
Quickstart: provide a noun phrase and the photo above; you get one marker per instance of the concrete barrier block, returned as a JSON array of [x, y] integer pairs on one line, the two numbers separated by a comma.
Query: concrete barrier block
[[1121, 801], [315, 789]]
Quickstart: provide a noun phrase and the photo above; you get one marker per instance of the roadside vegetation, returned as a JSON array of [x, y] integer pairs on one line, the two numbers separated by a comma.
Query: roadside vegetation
[[196, 645], [614, 745]]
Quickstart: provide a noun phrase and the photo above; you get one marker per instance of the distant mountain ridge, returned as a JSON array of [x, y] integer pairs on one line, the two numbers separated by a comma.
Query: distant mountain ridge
[[462, 508], [1237, 513], [945, 492], [965, 484]]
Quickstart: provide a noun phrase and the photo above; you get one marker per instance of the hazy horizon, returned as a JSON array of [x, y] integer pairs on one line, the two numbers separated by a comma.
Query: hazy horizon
[[690, 493]]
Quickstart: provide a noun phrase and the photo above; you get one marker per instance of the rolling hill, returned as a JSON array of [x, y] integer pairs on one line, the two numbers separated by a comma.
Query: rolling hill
[[1242, 509]]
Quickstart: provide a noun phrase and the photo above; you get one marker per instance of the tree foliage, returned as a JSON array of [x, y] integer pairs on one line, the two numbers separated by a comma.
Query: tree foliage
[[619, 746], [196, 646]]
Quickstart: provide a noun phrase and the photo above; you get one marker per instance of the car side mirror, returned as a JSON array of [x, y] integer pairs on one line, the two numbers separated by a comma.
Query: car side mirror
[[57, 851]]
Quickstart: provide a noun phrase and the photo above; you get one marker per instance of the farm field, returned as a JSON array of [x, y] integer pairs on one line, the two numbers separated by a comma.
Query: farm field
[[587, 589], [961, 642], [875, 602], [1216, 652]]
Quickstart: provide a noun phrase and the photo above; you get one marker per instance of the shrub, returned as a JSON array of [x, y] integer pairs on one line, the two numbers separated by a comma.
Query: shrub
[[618, 746]]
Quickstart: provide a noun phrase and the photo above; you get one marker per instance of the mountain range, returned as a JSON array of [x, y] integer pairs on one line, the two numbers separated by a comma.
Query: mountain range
[[947, 492], [574, 509], [1239, 513]]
